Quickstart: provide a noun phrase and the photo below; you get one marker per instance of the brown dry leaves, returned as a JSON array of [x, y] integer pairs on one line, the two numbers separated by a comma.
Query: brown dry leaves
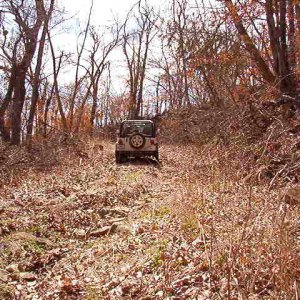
[[189, 229]]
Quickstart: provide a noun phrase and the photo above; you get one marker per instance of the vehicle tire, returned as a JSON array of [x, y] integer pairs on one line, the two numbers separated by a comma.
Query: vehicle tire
[[137, 141], [156, 155], [119, 157]]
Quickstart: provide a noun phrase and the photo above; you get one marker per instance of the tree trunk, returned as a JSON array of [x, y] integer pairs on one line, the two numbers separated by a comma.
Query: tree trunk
[[8, 97], [55, 83], [139, 108], [17, 106], [94, 108], [273, 35], [94, 105], [266, 73], [286, 78], [30, 35], [77, 80], [47, 106], [292, 35], [36, 78]]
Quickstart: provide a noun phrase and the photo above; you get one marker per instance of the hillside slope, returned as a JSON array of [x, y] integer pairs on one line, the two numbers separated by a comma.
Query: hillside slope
[[189, 228]]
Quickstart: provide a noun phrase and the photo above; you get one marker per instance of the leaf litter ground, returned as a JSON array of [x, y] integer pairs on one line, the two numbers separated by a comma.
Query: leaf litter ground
[[91, 229]]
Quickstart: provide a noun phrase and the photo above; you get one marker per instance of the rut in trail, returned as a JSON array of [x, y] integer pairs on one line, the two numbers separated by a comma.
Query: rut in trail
[[86, 226]]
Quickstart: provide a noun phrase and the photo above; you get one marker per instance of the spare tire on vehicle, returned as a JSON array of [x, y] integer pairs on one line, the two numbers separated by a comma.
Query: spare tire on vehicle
[[137, 141]]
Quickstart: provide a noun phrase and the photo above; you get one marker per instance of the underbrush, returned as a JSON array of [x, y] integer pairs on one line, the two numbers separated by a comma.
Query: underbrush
[[42, 155], [248, 236], [219, 219], [260, 141], [236, 201]]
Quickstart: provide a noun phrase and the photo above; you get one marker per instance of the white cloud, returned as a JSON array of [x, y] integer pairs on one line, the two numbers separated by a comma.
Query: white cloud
[[103, 14], [103, 10]]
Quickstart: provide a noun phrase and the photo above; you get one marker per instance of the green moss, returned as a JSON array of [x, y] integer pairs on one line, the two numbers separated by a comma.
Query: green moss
[[156, 253], [6, 292], [189, 223], [162, 211], [222, 259], [35, 247], [92, 293]]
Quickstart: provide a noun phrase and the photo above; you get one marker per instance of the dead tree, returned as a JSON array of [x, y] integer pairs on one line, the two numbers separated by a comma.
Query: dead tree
[[29, 35], [180, 19], [266, 73]]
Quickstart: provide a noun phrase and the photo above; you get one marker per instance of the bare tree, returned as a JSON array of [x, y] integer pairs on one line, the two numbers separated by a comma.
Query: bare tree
[[136, 48], [56, 69], [249, 44], [37, 73], [179, 11], [280, 18], [96, 64], [78, 78], [29, 18]]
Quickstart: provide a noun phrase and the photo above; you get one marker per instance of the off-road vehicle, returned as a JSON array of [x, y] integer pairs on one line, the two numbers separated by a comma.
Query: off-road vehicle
[[136, 138]]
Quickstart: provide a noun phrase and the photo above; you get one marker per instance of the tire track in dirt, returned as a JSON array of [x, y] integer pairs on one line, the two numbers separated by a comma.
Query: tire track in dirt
[[91, 229], [85, 227]]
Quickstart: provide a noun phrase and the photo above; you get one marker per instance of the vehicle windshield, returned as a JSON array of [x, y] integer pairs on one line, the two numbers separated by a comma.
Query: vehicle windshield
[[129, 128]]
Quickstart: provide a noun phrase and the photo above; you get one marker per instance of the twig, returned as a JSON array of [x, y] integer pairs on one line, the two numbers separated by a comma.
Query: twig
[[276, 175]]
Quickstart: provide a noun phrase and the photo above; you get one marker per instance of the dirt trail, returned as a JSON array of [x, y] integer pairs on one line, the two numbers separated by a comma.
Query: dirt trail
[[89, 229], [187, 229]]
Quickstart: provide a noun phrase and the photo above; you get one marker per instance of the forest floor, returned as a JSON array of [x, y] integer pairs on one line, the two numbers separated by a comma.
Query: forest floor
[[87, 228]]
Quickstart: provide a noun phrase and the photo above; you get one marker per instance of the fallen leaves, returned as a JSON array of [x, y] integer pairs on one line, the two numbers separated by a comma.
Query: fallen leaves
[[91, 229]]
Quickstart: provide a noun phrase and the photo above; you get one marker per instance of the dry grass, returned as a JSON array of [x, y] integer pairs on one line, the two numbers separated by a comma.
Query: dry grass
[[250, 235], [209, 223], [233, 200]]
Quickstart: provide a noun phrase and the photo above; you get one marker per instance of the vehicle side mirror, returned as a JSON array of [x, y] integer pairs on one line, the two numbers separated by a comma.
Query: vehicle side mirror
[[158, 131]]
